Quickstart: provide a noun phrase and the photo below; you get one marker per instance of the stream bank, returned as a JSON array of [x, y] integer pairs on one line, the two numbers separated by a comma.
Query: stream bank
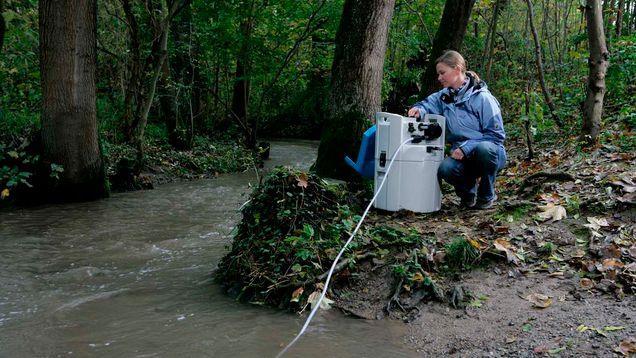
[[551, 269]]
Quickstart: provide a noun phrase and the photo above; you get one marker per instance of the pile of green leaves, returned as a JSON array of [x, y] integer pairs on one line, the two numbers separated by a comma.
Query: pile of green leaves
[[292, 229]]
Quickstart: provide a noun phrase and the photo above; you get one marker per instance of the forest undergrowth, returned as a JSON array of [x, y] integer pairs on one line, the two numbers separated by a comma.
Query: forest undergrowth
[[567, 213]]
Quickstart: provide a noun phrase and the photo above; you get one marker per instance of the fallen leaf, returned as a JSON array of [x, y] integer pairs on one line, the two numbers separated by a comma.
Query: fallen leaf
[[550, 198], [302, 180], [586, 283], [599, 331], [501, 229], [582, 328], [511, 339], [578, 253], [629, 198], [325, 304], [612, 264], [556, 350], [613, 328], [474, 243], [548, 346], [418, 277], [539, 300], [627, 346], [551, 211], [505, 246], [626, 187], [611, 251], [439, 257], [296, 294], [596, 223], [4, 194]]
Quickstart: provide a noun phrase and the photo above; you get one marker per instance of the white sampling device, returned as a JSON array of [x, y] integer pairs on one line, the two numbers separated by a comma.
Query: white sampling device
[[412, 183]]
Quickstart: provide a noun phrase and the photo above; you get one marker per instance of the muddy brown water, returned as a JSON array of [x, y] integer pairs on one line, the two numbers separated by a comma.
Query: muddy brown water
[[129, 276]]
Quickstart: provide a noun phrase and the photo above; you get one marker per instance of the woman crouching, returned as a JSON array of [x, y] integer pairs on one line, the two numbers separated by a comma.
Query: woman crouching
[[474, 129]]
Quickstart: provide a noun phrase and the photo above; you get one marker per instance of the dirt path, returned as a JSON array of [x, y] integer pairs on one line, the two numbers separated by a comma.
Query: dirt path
[[508, 325]]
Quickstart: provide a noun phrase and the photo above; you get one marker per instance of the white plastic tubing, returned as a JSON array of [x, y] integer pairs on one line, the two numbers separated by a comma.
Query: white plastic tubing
[[335, 262]]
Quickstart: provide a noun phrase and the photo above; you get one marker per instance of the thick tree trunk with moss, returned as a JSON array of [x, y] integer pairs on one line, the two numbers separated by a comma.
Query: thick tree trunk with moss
[[356, 82], [449, 36], [68, 52], [598, 63]]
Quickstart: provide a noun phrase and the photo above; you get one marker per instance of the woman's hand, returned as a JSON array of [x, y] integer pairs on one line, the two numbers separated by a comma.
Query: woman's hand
[[414, 112], [457, 154]]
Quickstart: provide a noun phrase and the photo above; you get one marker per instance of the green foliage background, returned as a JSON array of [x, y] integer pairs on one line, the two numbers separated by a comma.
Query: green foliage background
[[287, 100]]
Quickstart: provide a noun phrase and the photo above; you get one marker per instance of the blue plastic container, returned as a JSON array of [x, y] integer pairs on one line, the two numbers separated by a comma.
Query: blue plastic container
[[365, 165]]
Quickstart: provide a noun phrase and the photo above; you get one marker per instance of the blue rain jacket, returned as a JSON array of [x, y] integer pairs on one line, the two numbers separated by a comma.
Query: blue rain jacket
[[473, 117]]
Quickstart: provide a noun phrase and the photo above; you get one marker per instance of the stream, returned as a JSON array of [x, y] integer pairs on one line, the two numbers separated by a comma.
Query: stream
[[129, 276]]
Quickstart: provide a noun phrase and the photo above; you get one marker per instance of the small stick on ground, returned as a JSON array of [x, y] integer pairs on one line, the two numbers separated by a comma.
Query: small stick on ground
[[545, 176]]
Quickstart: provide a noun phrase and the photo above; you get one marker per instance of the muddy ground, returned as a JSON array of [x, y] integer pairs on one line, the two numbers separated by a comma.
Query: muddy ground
[[580, 265], [498, 320], [508, 325]]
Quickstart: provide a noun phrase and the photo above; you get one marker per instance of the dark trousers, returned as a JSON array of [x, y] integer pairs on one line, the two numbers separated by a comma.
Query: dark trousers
[[485, 161]]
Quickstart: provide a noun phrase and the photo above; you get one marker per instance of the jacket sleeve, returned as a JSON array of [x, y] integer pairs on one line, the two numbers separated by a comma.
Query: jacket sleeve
[[490, 123], [430, 105]]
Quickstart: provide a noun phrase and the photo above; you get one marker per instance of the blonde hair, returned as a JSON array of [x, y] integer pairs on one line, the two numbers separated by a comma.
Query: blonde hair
[[454, 59]]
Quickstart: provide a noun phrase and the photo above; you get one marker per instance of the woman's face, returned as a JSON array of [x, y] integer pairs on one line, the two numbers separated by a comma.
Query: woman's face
[[448, 76]]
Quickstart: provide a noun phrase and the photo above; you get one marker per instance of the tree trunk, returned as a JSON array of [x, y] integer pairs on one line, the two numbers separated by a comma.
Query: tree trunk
[[490, 45], [178, 73], [167, 103], [132, 95], [546, 36], [539, 63], [605, 15], [632, 18], [627, 17], [598, 63], [565, 33], [241, 94], [68, 52], [356, 82], [527, 124], [449, 36], [612, 17], [632, 21], [526, 74], [3, 26], [619, 18], [141, 119], [144, 76]]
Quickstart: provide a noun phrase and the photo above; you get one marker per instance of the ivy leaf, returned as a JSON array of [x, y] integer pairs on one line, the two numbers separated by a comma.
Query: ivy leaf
[[297, 268]]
